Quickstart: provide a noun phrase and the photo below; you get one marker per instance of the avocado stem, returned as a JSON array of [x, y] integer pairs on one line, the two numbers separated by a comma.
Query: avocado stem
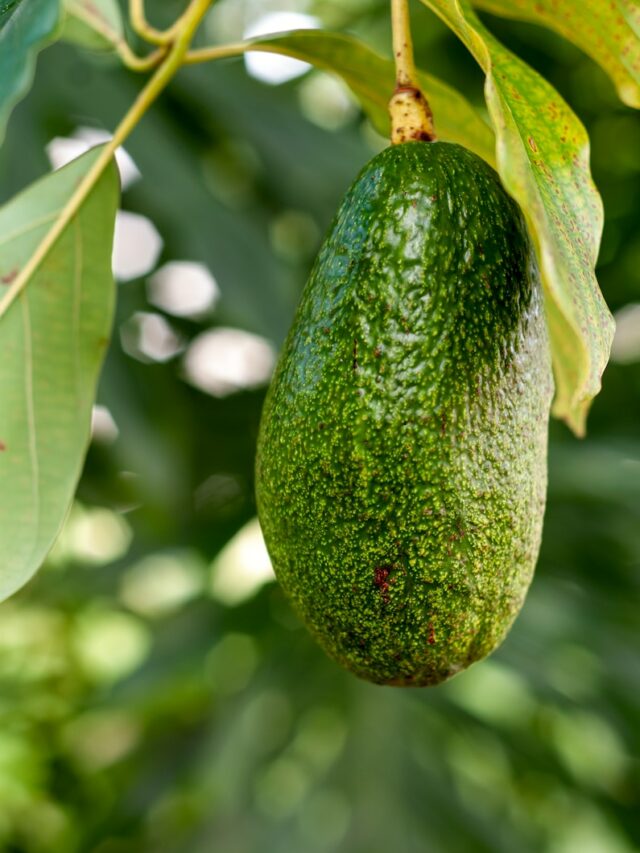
[[410, 113]]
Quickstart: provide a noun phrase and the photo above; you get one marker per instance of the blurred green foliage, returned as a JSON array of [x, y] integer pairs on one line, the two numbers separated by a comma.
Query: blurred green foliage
[[148, 701]]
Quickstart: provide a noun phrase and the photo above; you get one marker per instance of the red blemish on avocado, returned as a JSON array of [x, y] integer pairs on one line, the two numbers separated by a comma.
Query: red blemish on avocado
[[9, 277], [431, 637], [380, 579]]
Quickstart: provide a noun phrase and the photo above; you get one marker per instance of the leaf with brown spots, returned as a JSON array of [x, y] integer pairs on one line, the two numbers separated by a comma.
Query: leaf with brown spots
[[607, 31], [7, 278], [542, 155], [53, 336]]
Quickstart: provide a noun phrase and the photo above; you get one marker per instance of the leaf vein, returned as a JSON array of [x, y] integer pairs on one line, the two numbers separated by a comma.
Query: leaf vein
[[31, 417], [26, 229], [77, 306]]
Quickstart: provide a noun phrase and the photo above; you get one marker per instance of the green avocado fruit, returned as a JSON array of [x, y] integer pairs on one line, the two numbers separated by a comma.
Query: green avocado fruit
[[401, 465]]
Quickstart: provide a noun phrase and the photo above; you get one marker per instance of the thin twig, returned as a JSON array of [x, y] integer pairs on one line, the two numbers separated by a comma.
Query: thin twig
[[98, 24], [411, 117], [406, 76], [173, 61], [143, 28]]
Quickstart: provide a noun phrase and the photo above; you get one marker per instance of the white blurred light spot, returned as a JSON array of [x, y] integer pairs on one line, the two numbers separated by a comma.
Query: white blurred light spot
[[149, 337], [100, 738], [269, 67], [232, 662], [589, 747], [104, 429], [281, 788], [222, 361], [136, 246], [294, 235], [326, 101], [242, 567], [110, 644], [495, 693], [626, 341], [324, 820], [61, 150], [96, 535], [161, 583], [183, 288]]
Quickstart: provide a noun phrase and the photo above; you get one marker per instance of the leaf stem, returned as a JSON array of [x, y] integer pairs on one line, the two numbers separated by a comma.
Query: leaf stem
[[143, 28], [406, 76], [99, 25], [226, 51], [151, 34], [411, 117], [188, 25], [138, 63]]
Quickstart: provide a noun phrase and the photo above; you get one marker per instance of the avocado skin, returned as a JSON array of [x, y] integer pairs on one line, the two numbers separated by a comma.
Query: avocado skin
[[401, 464]]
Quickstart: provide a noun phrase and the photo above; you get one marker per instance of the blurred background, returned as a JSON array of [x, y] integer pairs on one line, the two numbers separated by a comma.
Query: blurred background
[[157, 693]]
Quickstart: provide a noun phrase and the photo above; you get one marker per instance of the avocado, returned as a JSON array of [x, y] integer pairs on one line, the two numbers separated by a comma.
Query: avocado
[[401, 463]]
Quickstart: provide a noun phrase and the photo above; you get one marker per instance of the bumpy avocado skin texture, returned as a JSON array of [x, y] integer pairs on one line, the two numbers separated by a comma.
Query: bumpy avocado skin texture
[[401, 466]]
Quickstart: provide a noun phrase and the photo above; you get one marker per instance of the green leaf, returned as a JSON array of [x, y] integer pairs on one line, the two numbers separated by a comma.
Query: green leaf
[[609, 32], [371, 78], [53, 338], [542, 152], [25, 27], [94, 24]]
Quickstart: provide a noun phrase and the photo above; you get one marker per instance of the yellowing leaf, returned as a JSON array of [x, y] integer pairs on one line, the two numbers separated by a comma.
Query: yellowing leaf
[[608, 30], [542, 154], [53, 337]]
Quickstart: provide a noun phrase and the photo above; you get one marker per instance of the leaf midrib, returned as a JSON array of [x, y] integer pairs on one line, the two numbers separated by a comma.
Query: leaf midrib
[[32, 432]]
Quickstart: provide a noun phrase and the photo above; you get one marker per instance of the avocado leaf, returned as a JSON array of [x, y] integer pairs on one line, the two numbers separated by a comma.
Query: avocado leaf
[[53, 336], [542, 154], [25, 27], [607, 32], [94, 24], [371, 79]]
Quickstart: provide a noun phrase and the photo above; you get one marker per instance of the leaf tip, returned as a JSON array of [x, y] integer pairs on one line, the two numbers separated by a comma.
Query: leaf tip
[[574, 416]]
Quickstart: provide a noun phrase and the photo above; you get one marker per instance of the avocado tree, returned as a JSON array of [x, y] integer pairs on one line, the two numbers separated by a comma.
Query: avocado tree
[[158, 692], [56, 311]]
